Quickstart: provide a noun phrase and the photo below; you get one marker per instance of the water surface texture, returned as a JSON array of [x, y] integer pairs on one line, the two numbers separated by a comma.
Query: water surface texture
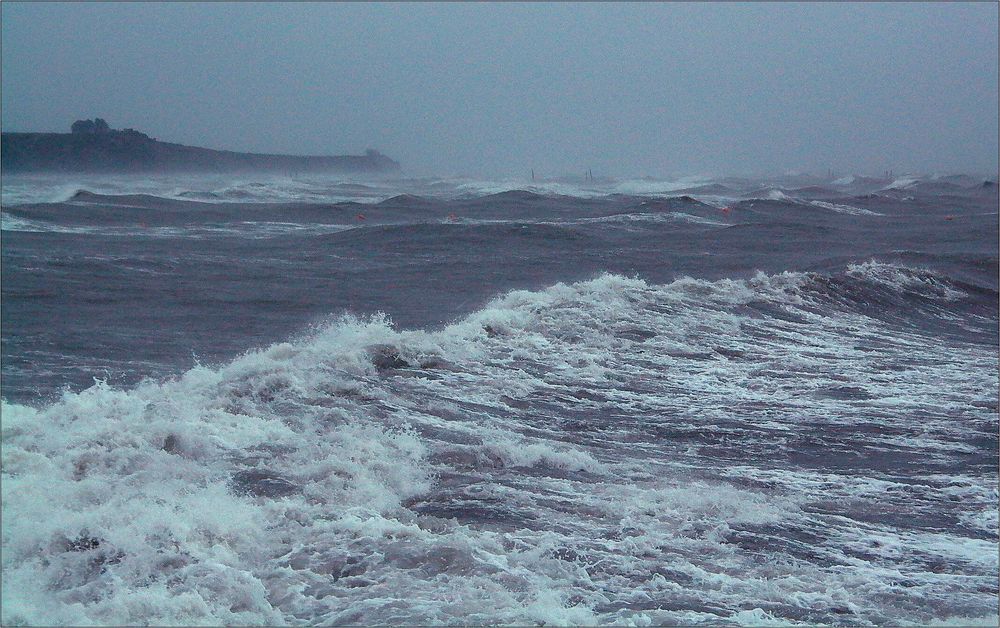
[[274, 400]]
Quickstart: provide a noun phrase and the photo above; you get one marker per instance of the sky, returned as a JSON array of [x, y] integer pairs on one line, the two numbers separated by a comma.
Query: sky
[[644, 89]]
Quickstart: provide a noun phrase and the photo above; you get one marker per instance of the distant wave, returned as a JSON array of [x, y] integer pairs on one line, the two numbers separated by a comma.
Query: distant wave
[[240, 229], [653, 218], [265, 188], [845, 209]]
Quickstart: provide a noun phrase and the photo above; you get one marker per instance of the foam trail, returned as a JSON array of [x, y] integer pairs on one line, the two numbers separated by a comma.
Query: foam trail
[[845, 209]]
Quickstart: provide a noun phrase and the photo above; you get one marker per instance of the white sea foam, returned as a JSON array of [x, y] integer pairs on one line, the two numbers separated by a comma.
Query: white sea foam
[[486, 187], [260, 188], [651, 217], [625, 219], [902, 183], [568, 455], [16, 223], [904, 279], [845, 209], [240, 229], [655, 187]]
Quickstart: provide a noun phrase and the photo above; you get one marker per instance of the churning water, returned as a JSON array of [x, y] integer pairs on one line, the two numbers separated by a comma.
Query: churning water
[[322, 401]]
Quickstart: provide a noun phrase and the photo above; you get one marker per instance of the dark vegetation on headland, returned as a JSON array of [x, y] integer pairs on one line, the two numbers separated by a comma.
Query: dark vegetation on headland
[[93, 146]]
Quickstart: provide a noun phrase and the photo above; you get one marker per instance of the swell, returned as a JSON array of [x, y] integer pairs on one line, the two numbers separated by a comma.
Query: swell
[[86, 207], [168, 212]]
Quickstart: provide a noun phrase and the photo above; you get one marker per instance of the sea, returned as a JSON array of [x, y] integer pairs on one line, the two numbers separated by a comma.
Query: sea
[[336, 400]]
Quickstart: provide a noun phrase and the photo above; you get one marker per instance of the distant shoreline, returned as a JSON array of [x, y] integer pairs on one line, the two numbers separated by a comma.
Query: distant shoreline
[[131, 151]]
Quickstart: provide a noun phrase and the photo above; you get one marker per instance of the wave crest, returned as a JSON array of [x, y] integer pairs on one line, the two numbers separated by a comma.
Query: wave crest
[[299, 481]]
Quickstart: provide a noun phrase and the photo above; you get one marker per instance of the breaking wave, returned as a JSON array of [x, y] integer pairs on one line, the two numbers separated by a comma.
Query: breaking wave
[[575, 455]]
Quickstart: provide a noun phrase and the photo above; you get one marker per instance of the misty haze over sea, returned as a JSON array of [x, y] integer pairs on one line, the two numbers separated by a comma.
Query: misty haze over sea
[[647, 314]]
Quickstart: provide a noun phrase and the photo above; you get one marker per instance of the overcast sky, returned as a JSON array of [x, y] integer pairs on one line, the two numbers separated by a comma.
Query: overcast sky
[[497, 89]]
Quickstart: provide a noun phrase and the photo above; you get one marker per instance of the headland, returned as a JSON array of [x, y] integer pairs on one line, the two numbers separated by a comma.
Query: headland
[[92, 146]]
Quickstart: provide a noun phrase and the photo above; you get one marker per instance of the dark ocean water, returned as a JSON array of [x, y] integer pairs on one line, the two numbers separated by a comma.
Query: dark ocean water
[[322, 401]]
